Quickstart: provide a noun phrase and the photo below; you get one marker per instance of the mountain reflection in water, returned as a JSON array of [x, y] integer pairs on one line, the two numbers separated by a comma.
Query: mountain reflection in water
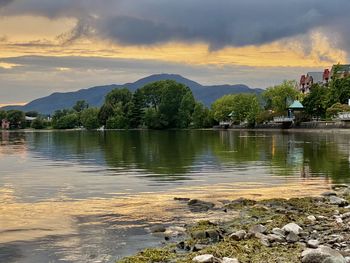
[[89, 196]]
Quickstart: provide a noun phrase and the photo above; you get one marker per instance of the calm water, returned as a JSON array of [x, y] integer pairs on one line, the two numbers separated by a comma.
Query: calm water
[[90, 196]]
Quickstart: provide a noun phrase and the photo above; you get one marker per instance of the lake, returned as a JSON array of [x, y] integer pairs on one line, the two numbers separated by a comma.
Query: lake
[[81, 196]]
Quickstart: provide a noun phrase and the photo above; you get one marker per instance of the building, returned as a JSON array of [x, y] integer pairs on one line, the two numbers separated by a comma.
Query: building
[[340, 71], [306, 81], [5, 124]]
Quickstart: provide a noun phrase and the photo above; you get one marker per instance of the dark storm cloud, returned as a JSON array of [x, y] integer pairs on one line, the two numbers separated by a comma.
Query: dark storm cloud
[[216, 22]]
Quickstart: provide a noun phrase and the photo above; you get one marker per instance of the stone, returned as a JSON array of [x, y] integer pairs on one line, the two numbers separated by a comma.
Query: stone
[[265, 242], [275, 238], [182, 199], [347, 259], [239, 235], [175, 231], [320, 254], [292, 227], [278, 231], [157, 229], [345, 215], [196, 205], [338, 220], [257, 229], [313, 243], [334, 200], [329, 193], [334, 260], [199, 234], [212, 234], [229, 260], [311, 218], [207, 258], [292, 237]]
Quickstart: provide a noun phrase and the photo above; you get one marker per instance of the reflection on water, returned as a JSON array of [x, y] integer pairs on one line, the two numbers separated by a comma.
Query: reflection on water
[[90, 196]]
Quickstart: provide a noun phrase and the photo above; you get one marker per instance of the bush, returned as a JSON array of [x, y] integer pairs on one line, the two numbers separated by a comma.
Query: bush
[[38, 124], [337, 108]]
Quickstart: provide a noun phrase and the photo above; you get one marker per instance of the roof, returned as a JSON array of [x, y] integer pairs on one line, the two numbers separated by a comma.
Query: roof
[[316, 76], [296, 105], [341, 68]]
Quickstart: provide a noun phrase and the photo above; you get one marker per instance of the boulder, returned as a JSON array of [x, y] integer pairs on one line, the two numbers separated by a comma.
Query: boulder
[[334, 200], [320, 254], [292, 227], [257, 229], [239, 235], [313, 243], [292, 237], [207, 258], [157, 229], [196, 205]]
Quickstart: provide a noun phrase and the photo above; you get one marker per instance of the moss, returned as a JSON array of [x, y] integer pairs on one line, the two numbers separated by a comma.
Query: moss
[[151, 256], [202, 226]]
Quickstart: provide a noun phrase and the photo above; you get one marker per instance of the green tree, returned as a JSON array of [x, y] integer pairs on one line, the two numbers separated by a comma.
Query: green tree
[[186, 110], [117, 104], [201, 117], [80, 105], [223, 107], [315, 103], [3, 115], [279, 97], [137, 107], [89, 118], [16, 119], [337, 108], [68, 121], [38, 123], [339, 91]]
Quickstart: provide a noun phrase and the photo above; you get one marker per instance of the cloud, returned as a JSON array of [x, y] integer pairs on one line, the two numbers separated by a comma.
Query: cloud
[[218, 23]]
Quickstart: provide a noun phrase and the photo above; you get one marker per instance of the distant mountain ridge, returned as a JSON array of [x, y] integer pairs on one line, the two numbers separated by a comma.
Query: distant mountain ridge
[[95, 95]]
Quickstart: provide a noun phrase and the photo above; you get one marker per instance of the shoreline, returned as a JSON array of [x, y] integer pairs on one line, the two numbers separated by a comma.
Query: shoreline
[[307, 229]]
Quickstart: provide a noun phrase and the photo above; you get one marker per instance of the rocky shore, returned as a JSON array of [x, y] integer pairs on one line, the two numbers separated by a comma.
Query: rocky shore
[[308, 230]]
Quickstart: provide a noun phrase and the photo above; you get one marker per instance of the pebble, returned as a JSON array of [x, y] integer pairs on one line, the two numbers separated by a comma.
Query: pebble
[[292, 227], [313, 243]]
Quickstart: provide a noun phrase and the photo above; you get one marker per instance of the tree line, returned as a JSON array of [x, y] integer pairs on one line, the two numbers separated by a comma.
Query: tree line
[[167, 104]]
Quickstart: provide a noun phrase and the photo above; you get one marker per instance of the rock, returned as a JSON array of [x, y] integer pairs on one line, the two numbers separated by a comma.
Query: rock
[[278, 231], [339, 186], [265, 242], [347, 259], [239, 235], [334, 260], [212, 234], [311, 218], [275, 238], [196, 205], [199, 234], [257, 229], [338, 220], [313, 243], [292, 237], [175, 231], [292, 227], [243, 202], [198, 247], [207, 258], [334, 200], [345, 215], [329, 193], [320, 254], [229, 260], [157, 229], [182, 199]]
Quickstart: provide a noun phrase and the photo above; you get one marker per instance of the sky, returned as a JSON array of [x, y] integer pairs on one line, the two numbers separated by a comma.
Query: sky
[[51, 46]]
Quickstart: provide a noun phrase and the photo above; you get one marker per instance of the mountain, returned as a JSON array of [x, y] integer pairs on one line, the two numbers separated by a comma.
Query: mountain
[[95, 96]]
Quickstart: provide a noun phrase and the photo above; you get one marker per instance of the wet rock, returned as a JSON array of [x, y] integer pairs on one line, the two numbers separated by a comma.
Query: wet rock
[[257, 229], [329, 193], [157, 229], [313, 243], [196, 205], [334, 200], [229, 260], [199, 234], [239, 235], [320, 254], [182, 199], [207, 258], [292, 237], [292, 227], [212, 234], [243, 202]]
